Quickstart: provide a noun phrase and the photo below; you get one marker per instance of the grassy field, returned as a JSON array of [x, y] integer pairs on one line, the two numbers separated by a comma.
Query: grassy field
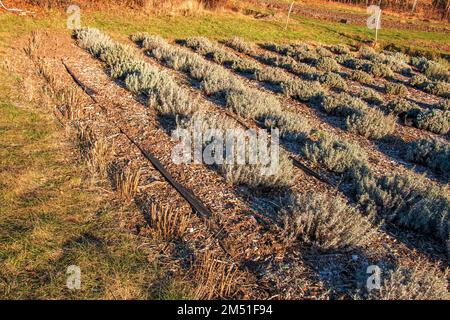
[[225, 25]]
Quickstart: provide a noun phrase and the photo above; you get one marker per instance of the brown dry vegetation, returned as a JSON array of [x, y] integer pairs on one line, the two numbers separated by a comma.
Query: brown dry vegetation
[[439, 8], [145, 4], [435, 8], [55, 211]]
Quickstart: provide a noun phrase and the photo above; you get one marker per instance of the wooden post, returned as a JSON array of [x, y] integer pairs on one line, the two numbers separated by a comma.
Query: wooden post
[[414, 6], [289, 14], [377, 26]]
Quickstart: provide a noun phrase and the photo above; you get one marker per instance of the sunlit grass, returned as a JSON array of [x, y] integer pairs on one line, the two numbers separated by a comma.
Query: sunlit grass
[[226, 25], [51, 218]]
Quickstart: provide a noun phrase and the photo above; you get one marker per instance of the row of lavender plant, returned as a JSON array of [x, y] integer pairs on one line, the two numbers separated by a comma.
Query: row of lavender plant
[[436, 120], [171, 100], [404, 200]]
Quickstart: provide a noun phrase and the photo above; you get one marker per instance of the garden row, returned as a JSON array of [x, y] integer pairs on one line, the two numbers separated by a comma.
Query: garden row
[[298, 60], [434, 80], [370, 123], [346, 227], [171, 100], [313, 218], [361, 119], [404, 200]]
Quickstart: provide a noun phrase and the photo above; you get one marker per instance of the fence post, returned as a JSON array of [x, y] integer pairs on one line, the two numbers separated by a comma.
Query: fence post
[[289, 14]]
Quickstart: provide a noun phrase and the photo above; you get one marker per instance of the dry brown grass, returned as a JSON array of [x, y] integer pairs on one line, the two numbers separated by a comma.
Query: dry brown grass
[[425, 9], [166, 223], [155, 6], [43, 70], [51, 218], [70, 103], [215, 279], [68, 99], [95, 151], [99, 157], [184, 7], [32, 45], [127, 183], [28, 88]]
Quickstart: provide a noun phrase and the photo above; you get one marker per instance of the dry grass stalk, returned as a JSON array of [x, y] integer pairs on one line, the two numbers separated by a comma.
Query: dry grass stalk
[[44, 71], [127, 183], [68, 98], [216, 279], [6, 64], [32, 45], [71, 103], [28, 88], [166, 223], [96, 152], [99, 157]]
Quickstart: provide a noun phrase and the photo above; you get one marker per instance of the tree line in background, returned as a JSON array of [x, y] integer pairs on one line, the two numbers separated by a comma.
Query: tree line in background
[[209, 4]]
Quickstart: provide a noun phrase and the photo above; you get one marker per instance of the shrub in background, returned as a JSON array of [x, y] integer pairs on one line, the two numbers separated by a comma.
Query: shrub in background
[[396, 89], [271, 75], [437, 72], [163, 93], [352, 62], [324, 52], [421, 281], [431, 153], [431, 69], [303, 70], [370, 96], [367, 53], [438, 88], [378, 70], [302, 90], [252, 103], [241, 45], [325, 223], [336, 155], [292, 127], [340, 49], [406, 200], [342, 104], [371, 123], [397, 61], [443, 105], [361, 76], [436, 121], [333, 81], [401, 106], [327, 64], [441, 89]]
